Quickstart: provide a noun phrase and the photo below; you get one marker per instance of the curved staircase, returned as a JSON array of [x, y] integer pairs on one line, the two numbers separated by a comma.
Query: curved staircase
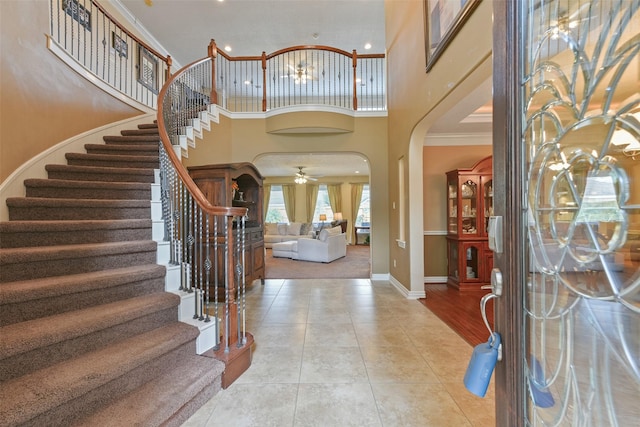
[[89, 335]]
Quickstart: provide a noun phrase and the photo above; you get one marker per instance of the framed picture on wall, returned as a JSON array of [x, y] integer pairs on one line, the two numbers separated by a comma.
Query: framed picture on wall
[[78, 12], [147, 69], [119, 45], [443, 19]]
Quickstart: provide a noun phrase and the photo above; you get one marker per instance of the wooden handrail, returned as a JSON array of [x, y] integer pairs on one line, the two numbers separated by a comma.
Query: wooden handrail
[[191, 186]]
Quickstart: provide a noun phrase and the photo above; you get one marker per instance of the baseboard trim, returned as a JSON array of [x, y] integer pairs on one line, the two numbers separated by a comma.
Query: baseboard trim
[[435, 279], [404, 291]]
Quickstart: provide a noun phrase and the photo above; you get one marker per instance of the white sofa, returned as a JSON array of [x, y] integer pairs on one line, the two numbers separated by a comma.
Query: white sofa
[[277, 232], [330, 245]]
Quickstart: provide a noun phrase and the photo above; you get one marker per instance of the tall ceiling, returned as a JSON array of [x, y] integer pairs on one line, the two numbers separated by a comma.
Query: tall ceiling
[[184, 27], [250, 27]]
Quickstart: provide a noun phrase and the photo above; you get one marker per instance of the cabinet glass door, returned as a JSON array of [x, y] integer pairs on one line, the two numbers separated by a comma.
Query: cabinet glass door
[[453, 259], [472, 261], [469, 206], [487, 204], [452, 207]]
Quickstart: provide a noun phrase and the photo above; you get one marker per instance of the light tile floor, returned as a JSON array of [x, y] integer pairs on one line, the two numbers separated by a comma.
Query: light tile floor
[[347, 353]]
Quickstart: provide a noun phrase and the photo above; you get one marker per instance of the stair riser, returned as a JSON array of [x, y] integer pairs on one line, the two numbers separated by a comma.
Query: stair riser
[[88, 193], [43, 357], [80, 213], [103, 177], [73, 237], [28, 270], [72, 411], [34, 309], [115, 164]]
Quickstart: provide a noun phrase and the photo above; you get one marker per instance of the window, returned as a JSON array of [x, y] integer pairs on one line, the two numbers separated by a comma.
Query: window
[[364, 212], [322, 205], [276, 211]]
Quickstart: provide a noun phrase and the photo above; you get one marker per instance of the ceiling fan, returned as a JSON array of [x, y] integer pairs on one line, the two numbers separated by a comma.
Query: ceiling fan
[[302, 177], [300, 73]]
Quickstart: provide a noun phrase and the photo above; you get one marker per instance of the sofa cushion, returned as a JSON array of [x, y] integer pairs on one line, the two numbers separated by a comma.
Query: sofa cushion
[[283, 229], [270, 228], [294, 229]]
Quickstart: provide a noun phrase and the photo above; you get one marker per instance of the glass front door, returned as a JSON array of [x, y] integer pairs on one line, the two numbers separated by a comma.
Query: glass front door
[[576, 79]]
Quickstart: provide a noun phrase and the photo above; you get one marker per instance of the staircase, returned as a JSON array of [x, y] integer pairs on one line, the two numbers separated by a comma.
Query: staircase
[[88, 334]]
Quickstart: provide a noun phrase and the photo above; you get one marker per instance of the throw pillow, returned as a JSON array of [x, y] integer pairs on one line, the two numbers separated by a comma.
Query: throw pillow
[[324, 235], [282, 229], [270, 228], [335, 230], [306, 228], [294, 229]]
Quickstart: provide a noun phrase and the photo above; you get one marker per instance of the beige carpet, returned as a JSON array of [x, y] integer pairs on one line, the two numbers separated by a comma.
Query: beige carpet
[[354, 266]]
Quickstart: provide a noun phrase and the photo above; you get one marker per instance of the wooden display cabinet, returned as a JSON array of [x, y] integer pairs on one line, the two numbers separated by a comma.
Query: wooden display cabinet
[[469, 206], [215, 182]]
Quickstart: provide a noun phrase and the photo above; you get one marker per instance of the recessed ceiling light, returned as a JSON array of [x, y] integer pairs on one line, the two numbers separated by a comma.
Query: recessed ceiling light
[[227, 48], [357, 171], [367, 46]]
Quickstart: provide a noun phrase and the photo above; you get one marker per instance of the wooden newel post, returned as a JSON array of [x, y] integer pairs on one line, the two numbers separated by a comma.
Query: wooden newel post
[[167, 74], [212, 52], [355, 85], [264, 81]]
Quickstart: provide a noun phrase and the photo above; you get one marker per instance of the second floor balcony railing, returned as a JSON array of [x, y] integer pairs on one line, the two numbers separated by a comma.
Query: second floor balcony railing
[[300, 75], [105, 48], [295, 76]]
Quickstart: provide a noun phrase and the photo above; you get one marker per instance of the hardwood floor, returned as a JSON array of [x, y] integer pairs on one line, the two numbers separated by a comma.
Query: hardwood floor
[[459, 310]]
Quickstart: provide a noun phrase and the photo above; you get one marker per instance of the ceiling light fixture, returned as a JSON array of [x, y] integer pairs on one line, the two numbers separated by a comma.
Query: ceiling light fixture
[[367, 46], [300, 180], [227, 48]]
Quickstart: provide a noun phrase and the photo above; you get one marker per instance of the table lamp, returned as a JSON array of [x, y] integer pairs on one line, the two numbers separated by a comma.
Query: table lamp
[[322, 218], [337, 216]]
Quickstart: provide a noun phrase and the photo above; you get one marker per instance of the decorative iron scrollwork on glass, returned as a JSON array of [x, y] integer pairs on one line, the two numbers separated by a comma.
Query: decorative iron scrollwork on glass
[[582, 135]]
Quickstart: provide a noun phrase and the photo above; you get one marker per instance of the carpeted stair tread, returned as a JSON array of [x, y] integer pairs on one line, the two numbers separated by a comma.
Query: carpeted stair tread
[[153, 125], [38, 208], [17, 234], [65, 183], [75, 203], [32, 334], [122, 149], [111, 174], [26, 397], [85, 159], [48, 287], [132, 139], [43, 226], [140, 131], [62, 252], [157, 402], [58, 188]]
